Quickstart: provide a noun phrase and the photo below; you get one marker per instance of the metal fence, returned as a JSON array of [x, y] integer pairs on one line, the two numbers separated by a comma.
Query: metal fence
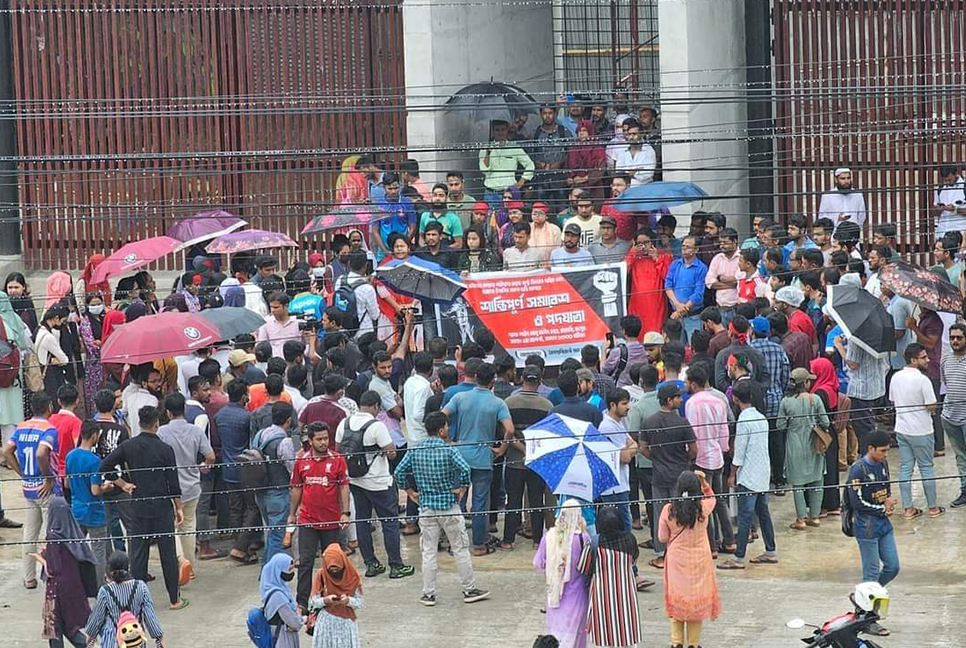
[[876, 85], [133, 115]]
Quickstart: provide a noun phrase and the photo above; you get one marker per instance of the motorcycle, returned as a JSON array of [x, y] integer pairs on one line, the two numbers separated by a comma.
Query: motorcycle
[[871, 602]]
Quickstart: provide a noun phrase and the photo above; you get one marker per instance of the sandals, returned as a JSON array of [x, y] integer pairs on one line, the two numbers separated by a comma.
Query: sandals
[[764, 559], [505, 546], [939, 511], [485, 550], [728, 550], [655, 564], [247, 559], [30, 584], [812, 522], [797, 526], [731, 564], [213, 555], [180, 605], [637, 526], [643, 584], [916, 512], [647, 544]]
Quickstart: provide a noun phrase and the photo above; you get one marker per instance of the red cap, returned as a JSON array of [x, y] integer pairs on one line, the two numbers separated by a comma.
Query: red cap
[[481, 208], [540, 206], [515, 204], [315, 257], [196, 280]]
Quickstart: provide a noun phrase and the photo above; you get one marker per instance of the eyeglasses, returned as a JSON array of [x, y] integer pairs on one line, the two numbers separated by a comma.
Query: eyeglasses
[[957, 337]]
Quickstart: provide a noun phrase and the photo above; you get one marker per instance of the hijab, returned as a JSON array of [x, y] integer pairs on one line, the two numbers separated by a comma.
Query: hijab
[[351, 184], [59, 285], [613, 535], [96, 323], [135, 310], [559, 549], [61, 526], [14, 325], [585, 156], [826, 380], [348, 584], [104, 287], [271, 582], [234, 296]]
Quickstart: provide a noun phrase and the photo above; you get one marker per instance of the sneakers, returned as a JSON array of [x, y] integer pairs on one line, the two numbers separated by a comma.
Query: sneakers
[[401, 571], [429, 600], [474, 595], [374, 569], [959, 501]]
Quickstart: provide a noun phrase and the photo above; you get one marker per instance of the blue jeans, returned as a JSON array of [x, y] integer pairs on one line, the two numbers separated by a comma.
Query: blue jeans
[[751, 504], [480, 478], [620, 500], [691, 323], [386, 508], [916, 450], [273, 504], [874, 550], [957, 438]]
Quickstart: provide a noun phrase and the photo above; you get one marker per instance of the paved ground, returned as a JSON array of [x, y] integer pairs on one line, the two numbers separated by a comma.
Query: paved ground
[[817, 571]]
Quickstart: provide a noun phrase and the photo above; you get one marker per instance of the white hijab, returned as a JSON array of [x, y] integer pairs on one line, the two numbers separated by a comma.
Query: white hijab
[[559, 539]]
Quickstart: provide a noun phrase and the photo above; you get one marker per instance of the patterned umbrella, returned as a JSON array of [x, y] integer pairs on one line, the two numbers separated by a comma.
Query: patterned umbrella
[[159, 336], [343, 216], [133, 256], [926, 288], [247, 240], [205, 225]]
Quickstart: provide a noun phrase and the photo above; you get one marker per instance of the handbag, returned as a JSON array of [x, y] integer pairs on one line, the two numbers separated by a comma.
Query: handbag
[[821, 439], [33, 375]]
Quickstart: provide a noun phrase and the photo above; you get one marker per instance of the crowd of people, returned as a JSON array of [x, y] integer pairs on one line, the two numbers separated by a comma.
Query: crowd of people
[[347, 408]]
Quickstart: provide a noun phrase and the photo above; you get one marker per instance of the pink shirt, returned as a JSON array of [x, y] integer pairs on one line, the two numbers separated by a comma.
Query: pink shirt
[[278, 334], [722, 265], [707, 415]]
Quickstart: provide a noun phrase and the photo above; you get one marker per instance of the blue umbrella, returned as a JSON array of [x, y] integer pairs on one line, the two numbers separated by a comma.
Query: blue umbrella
[[572, 457], [421, 279], [655, 195]]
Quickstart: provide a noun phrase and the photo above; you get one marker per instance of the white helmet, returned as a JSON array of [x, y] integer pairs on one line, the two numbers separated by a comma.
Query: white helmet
[[871, 597]]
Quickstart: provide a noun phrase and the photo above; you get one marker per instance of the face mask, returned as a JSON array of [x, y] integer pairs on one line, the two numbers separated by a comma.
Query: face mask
[[287, 576], [95, 310], [335, 573]]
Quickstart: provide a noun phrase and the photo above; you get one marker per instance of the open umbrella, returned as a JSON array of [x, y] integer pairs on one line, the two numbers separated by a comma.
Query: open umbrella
[[233, 320], [422, 279], [159, 336], [655, 195], [572, 457], [134, 255], [203, 226], [343, 216], [919, 285], [247, 240], [863, 318], [488, 101]]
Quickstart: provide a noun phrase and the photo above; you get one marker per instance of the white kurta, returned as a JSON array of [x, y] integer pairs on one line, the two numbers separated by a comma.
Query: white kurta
[[835, 203], [950, 221]]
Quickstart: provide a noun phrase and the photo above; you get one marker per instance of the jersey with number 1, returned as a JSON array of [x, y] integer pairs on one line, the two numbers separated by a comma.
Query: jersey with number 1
[[28, 437]]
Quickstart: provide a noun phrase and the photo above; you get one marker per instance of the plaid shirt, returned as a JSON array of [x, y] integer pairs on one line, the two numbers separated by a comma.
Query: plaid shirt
[[604, 384], [776, 360], [435, 470]]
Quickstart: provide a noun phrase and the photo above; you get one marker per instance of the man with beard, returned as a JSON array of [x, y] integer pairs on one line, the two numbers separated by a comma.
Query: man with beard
[[651, 134], [949, 203], [499, 164], [586, 220], [879, 256], [575, 112], [638, 159], [571, 254], [549, 152], [434, 248], [572, 199], [439, 213], [626, 221], [602, 126], [457, 201], [144, 390], [843, 203], [367, 165]]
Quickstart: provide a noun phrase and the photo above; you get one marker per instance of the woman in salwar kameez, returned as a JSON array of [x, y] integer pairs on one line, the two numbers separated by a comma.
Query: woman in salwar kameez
[[558, 557], [336, 595], [798, 414], [280, 607], [613, 617], [91, 329], [690, 586]]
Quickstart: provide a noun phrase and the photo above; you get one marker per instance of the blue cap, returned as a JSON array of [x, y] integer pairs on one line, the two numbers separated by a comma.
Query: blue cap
[[761, 326]]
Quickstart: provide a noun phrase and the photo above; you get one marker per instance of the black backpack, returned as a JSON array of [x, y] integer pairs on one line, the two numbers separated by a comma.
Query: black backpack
[[354, 450], [848, 513], [345, 301]]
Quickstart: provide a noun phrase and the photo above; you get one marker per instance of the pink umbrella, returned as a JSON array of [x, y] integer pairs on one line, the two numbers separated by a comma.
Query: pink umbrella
[[246, 240], [133, 256], [205, 225], [159, 336]]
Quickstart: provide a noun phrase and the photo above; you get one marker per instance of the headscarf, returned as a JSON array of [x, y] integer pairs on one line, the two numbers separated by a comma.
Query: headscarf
[[826, 380], [14, 325], [613, 535], [271, 582], [137, 309], [502, 214], [559, 539], [234, 296], [583, 157], [104, 287], [112, 319], [96, 323], [351, 184], [333, 556], [62, 526], [59, 286]]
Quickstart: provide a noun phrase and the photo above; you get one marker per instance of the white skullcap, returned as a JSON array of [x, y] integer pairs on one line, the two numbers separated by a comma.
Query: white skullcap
[[839, 171]]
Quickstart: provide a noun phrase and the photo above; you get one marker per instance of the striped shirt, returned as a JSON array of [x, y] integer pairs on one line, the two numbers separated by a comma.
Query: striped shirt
[[103, 618], [953, 371], [613, 619], [868, 381]]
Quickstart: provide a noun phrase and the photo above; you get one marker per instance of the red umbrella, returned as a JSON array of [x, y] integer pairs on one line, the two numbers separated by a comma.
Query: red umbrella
[[159, 336], [246, 240], [133, 256]]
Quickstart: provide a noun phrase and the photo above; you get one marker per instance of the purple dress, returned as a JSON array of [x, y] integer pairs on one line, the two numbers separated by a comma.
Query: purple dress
[[93, 370], [568, 621]]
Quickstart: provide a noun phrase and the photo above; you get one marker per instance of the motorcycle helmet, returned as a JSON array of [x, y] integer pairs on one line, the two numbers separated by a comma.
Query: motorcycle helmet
[[871, 597]]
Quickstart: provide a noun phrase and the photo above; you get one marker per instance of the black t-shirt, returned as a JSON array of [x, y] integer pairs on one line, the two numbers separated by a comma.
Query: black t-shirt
[[668, 434]]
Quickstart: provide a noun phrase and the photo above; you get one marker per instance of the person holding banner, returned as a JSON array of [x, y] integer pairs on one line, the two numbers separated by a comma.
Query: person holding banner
[[647, 267]]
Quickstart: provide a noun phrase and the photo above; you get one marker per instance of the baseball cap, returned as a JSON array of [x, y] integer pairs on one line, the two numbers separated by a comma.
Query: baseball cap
[[515, 204], [573, 228], [239, 357], [801, 374], [540, 206], [608, 220], [531, 373], [585, 374], [667, 392], [481, 207], [652, 338], [265, 261], [761, 326], [791, 295]]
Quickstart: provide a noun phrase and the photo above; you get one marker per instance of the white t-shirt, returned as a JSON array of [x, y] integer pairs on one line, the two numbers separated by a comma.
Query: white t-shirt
[[639, 165], [910, 392], [950, 221], [616, 432], [377, 434], [416, 391]]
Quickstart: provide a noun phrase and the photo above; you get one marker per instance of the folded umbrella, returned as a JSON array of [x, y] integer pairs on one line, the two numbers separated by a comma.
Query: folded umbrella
[[343, 216], [921, 286], [159, 336], [233, 320], [134, 255], [863, 318], [572, 457], [655, 195], [422, 279], [247, 240], [205, 225]]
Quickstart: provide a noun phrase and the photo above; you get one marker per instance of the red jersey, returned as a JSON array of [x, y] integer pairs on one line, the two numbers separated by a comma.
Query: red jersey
[[321, 478], [68, 427], [799, 321]]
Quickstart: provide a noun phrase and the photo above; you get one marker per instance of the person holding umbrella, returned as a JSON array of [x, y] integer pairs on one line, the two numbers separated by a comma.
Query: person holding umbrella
[[499, 163]]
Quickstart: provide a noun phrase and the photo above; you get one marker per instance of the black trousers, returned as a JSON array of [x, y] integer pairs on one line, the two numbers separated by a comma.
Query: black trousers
[[497, 489], [776, 452], [644, 476], [163, 526], [831, 499], [311, 542], [515, 480], [863, 420], [243, 513]]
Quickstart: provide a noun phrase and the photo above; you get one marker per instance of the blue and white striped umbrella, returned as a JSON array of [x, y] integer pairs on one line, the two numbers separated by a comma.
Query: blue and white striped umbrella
[[572, 457]]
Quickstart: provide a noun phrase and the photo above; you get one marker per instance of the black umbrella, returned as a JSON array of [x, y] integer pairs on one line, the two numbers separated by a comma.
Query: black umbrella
[[863, 318], [422, 279], [492, 101], [233, 320]]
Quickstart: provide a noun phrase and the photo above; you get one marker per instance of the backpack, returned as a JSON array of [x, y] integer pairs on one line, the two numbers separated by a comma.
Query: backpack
[[621, 362], [127, 624], [848, 513], [354, 450], [345, 300], [9, 359], [259, 629], [253, 468]]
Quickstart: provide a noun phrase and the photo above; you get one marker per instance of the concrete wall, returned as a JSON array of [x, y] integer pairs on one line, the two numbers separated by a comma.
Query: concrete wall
[[703, 44], [448, 47]]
